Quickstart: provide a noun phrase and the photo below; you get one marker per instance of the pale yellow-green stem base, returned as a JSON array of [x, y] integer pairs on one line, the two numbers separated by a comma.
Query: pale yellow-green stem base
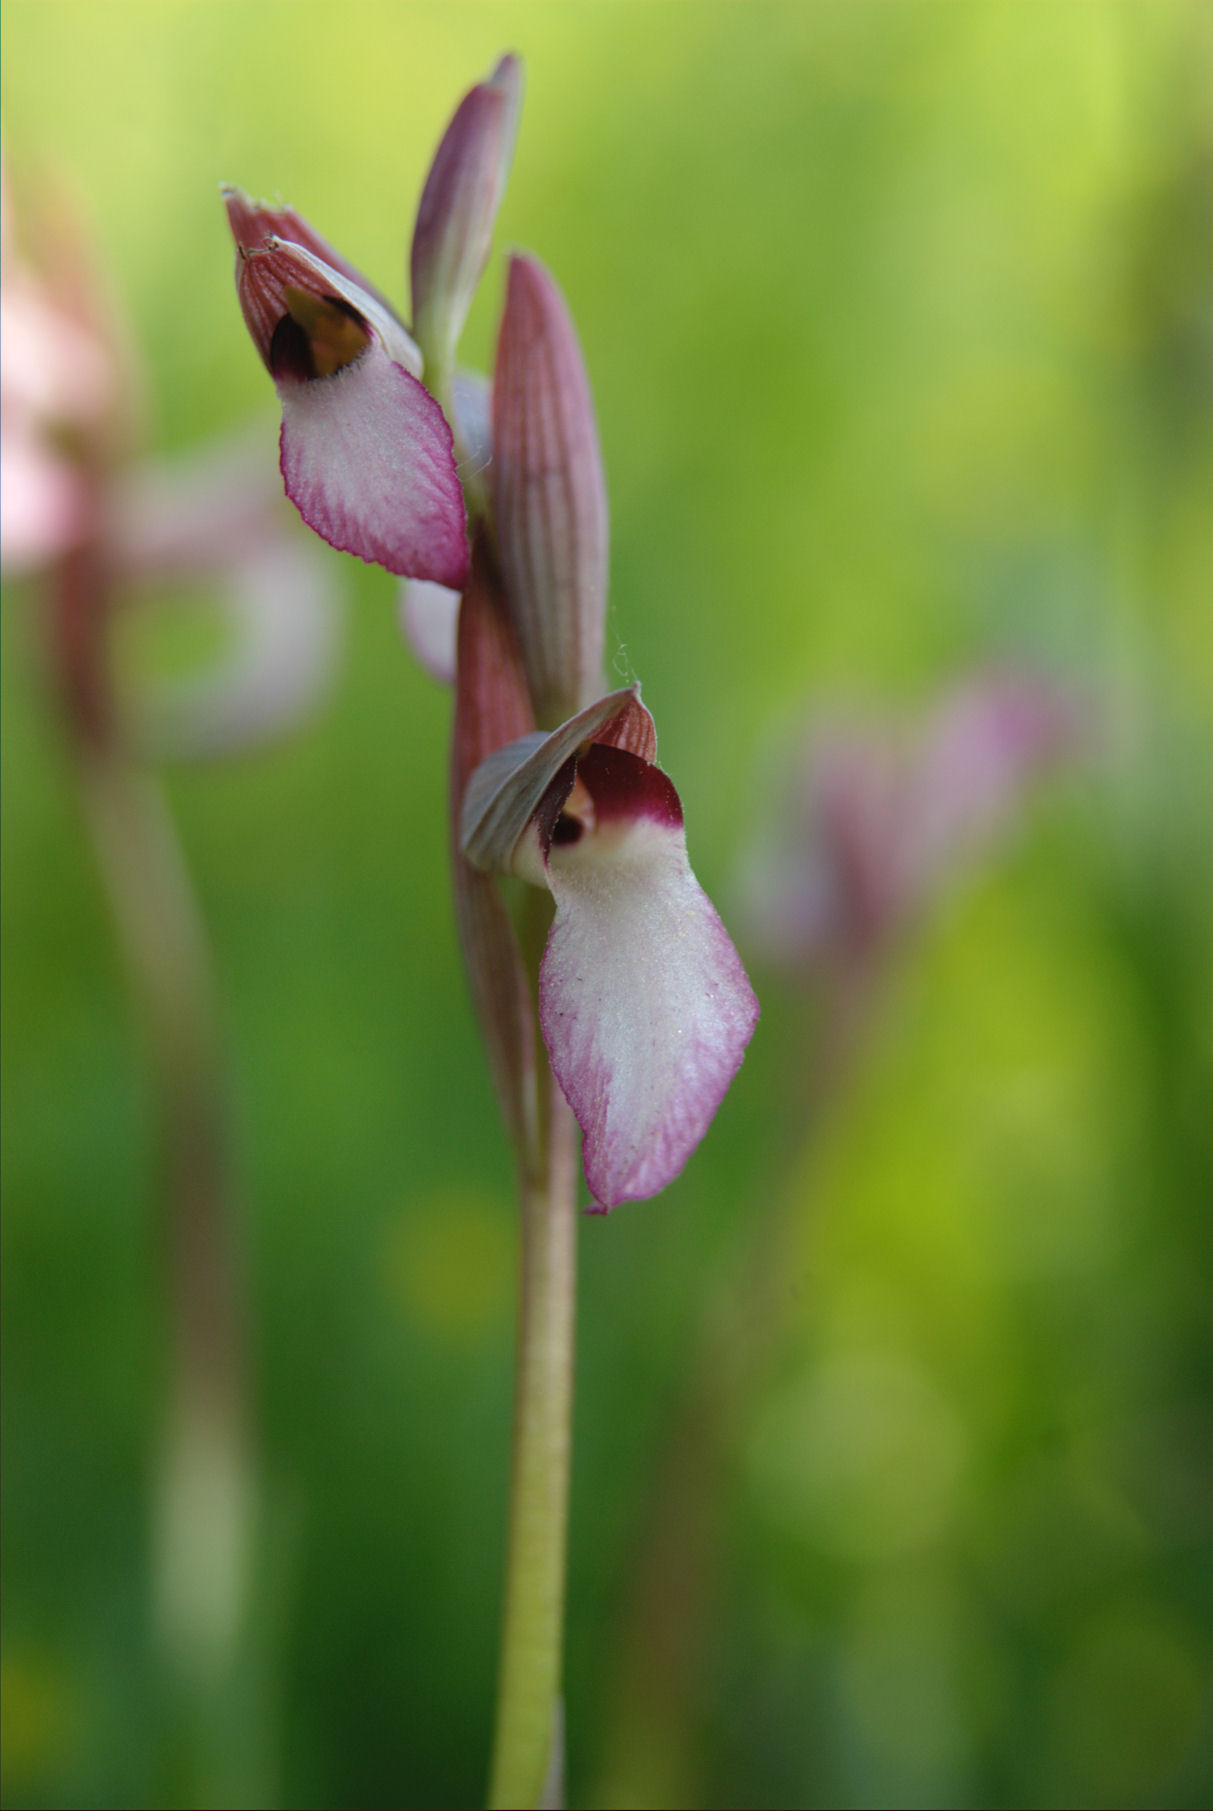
[[527, 1753]]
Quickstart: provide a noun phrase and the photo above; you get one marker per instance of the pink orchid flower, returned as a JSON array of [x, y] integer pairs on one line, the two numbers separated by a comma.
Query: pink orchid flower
[[645, 1008], [366, 453]]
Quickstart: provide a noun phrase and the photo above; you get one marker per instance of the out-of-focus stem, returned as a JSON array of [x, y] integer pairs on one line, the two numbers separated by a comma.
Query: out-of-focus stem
[[204, 1502], [204, 1491], [527, 1754], [652, 1749], [204, 1507]]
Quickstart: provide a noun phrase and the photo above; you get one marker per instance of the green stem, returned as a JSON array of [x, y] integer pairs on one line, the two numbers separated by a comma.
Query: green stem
[[527, 1757]]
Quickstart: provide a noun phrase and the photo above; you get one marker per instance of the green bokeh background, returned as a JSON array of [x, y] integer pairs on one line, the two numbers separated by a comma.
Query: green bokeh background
[[899, 324]]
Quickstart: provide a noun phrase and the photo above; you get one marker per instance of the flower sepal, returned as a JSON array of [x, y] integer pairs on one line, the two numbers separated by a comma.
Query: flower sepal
[[533, 776]]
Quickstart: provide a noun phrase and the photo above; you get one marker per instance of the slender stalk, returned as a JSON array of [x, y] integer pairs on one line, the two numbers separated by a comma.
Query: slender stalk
[[527, 1759], [204, 1495]]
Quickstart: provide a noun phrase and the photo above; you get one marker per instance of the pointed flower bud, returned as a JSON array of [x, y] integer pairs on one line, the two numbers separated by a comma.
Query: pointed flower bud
[[549, 497], [458, 209], [366, 453]]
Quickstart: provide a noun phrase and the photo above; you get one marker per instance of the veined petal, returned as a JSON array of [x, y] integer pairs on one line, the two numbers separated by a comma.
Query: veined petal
[[508, 787], [645, 1008], [281, 285], [254, 222], [368, 462], [549, 495], [633, 729]]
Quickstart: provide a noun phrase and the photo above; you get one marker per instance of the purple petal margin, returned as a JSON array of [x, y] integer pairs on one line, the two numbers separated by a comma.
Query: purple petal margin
[[368, 461]]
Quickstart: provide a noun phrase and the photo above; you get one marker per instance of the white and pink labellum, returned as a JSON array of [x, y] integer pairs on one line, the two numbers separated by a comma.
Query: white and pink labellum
[[368, 461], [645, 1008], [367, 455]]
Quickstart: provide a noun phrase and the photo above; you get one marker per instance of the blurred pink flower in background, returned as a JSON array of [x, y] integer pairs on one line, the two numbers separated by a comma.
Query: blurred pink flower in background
[[58, 383], [215, 517], [878, 814], [119, 532]]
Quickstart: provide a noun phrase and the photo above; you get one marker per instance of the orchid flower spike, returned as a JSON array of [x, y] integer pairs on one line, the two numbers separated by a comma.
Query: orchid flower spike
[[644, 1006], [367, 455], [643, 1003]]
